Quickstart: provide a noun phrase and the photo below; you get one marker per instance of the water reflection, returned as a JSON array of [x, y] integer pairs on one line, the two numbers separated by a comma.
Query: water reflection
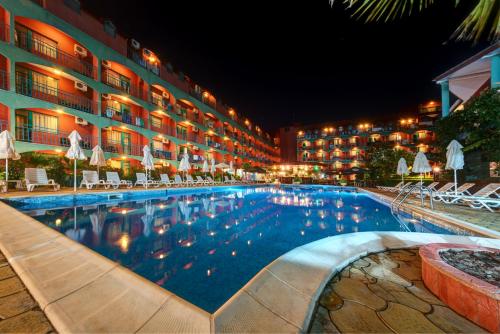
[[205, 246]]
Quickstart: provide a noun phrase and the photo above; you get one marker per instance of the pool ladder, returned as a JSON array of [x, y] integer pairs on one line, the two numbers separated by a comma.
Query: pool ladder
[[404, 192]]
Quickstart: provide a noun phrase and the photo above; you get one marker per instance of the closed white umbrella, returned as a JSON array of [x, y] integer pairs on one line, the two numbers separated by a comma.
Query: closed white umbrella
[[184, 165], [75, 152], [205, 168], [212, 167], [402, 169], [147, 161], [231, 169], [421, 165], [7, 150], [147, 218], [454, 159], [97, 158]]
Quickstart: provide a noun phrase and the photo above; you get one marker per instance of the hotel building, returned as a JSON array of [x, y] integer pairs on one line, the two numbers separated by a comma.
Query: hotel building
[[62, 69], [341, 147]]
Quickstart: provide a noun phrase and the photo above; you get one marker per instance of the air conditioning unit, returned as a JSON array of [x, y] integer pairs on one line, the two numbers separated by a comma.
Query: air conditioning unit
[[106, 96], [135, 44], [81, 121], [147, 52], [106, 63], [165, 95], [196, 111], [80, 50], [80, 86], [195, 129], [165, 141]]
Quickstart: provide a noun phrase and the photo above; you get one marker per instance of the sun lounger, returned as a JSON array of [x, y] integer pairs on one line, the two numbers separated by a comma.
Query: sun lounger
[[386, 187], [487, 197], [113, 180], [463, 190], [178, 181], [91, 179], [209, 179], [201, 180], [164, 179], [37, 177], [143, 181]]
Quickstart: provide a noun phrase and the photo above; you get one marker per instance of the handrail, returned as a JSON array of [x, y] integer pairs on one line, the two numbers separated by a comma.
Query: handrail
[[405, 191]]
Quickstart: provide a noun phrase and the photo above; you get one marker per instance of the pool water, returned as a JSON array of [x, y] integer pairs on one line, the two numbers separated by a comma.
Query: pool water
[[204, 245]]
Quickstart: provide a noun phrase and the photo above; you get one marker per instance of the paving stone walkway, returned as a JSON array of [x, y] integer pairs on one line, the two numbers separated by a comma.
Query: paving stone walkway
[[19, 312], [384, 293]]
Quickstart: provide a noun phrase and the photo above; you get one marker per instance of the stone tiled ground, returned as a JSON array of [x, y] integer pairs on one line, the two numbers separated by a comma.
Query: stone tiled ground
[[19, 313], [483, 217], [384, 293]]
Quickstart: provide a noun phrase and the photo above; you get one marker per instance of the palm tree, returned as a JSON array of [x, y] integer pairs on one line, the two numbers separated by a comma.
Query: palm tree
[[485, 13]]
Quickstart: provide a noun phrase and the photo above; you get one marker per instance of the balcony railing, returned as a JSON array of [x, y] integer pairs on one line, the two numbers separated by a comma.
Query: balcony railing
[[4, 80], [40, 48], [113, 80], [163, 129], [121, 148], [161, 154], [28, 87], [127, 118], [50, 137]]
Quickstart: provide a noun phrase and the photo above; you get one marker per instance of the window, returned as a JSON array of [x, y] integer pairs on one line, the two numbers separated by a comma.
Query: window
[[44, 123], [44, 46], [337, 141], [44, 84], [181, 132], [156, 122], [157, 145]]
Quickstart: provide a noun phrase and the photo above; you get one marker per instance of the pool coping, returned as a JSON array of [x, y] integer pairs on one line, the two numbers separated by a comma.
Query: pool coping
[[82, 291]]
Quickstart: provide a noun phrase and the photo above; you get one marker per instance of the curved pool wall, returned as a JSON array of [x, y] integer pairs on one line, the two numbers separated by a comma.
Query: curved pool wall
[[204, 244]]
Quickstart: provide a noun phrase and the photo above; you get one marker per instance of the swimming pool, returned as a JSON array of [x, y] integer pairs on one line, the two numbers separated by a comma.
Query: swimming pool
[[204, 244]]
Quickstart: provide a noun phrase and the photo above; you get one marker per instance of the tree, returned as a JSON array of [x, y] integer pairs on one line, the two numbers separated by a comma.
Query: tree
[[382, 160], [486, 13], [477, 126]]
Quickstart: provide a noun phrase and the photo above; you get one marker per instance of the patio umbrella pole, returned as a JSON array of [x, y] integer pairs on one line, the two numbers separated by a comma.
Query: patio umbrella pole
[[6, 170], [421, 190], [455, 178], [74, 178]]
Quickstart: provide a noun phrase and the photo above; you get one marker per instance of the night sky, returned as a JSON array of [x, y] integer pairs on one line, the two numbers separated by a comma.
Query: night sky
[[284, 62]]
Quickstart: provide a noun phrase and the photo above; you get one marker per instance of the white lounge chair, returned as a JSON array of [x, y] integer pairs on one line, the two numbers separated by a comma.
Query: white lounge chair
[[113, 180], [463, 190], [227, 180], [178, 181], [209, 179], [201, 180], [233, 180], [37, 177], [387, 187], [487, 197], [142, 180], [91, 179], [164, 179]]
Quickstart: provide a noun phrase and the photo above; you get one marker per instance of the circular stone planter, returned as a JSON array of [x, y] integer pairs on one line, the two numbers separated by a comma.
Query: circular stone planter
[[475, 299]]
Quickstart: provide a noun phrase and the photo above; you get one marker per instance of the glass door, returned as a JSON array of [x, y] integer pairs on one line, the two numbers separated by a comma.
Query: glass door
[[125, 141]]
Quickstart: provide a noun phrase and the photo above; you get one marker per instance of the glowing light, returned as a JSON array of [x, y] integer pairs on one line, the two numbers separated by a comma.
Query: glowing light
[[162, 206], [57, 72], [124, 157], [302, 233], [124, 212], [124, 242], [233, 253], [209, 272], [58, 221], [58, 150], [436, 169], [59, 111]]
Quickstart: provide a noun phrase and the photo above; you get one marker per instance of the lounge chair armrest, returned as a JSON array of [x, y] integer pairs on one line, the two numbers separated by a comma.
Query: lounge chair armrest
[[51, 181]]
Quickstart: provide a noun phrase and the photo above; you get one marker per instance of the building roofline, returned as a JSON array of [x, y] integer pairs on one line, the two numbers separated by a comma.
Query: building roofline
[[489, 50]]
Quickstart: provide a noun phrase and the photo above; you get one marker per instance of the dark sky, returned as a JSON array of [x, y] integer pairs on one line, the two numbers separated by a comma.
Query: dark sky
[[280, 62]]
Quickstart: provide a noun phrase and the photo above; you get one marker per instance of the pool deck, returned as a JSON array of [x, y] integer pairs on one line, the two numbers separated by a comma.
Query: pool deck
[[82, 291]]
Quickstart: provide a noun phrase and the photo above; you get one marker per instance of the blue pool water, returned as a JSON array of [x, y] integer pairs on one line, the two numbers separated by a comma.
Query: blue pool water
[[204, 245]]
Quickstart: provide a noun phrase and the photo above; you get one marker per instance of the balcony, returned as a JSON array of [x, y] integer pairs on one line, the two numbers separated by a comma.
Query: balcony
[[127, 118], [112, 79], [43, 50], [121, 148], [161, 154], [163, 129], [4, 80], [28, 87], [49, 137]]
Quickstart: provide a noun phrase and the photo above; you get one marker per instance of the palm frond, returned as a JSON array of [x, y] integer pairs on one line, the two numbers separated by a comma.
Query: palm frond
[[486, 12]]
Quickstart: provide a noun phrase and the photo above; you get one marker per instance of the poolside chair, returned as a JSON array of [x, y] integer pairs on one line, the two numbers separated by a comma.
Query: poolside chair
[[143, 181], [209, 179], [191, 181], [487, 197], [164, 179], [201, 180], [463, 190], [37, 177], [227, 180], [407, 185], [91, 179], [387, 187], [178, 181], [113, 180], [233, 180]]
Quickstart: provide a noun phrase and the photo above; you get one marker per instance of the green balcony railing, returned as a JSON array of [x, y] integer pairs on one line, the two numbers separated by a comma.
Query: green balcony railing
[[26, 86]]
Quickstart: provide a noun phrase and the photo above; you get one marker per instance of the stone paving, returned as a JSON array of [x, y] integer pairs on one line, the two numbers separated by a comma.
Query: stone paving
[[19, 312], [384, 293], [482, 217]]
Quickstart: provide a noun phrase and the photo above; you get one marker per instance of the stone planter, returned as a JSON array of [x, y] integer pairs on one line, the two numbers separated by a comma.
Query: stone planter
[[473, 298]]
